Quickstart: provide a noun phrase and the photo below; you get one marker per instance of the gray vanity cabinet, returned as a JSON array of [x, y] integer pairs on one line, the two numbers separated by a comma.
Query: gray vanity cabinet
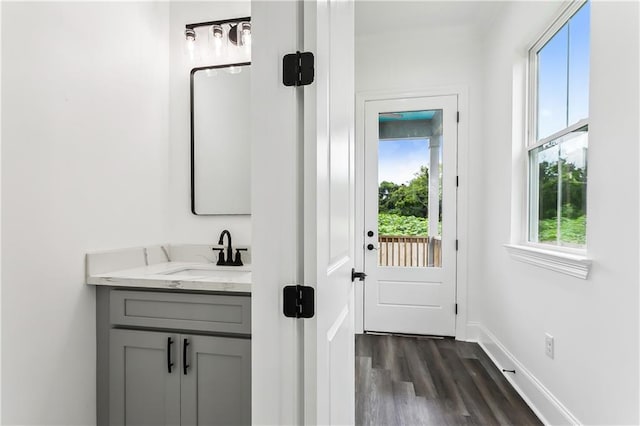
[[142, 391], [169, 364], [217, 387]]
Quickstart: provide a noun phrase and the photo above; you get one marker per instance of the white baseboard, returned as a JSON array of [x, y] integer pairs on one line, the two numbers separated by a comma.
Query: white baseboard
[[546, 406]]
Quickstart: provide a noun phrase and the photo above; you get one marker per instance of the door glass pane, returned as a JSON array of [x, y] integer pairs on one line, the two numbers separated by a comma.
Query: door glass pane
[[410, 189]]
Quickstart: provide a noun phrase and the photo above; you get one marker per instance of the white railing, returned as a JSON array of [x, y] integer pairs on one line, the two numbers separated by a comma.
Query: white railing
[[402, 250]]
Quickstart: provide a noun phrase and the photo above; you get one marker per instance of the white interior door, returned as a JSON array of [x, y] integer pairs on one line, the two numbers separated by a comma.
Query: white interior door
[[410, 215], [276, 203], [329, 213]]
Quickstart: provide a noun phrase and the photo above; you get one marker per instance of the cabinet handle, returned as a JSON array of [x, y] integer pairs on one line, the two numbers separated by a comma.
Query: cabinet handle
[[185, 366], [169, 363]]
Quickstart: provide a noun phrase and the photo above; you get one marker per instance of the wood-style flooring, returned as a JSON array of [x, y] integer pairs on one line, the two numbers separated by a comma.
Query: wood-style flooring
[[427, 381]]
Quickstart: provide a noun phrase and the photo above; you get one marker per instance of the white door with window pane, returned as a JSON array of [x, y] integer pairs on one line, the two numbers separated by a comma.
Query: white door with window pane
[[410, 215]]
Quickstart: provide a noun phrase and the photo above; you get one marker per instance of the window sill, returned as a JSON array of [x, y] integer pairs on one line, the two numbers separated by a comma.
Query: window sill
[[565, 263]]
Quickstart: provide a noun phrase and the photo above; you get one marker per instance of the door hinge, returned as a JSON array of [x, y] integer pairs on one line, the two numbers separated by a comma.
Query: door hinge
[[456, 245], [298, 69], [457, 181], [457, 116], [456, 309], [298, 301]]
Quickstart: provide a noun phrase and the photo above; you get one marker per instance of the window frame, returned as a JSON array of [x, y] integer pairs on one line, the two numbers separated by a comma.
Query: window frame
[[531, 137]]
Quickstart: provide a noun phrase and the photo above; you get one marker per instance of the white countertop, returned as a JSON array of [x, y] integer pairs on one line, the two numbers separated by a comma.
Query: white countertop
[[155, 276], [126, 271]]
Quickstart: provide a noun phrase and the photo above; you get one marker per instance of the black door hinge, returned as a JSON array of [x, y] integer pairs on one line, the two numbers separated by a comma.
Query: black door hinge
[[457, 116], [456, 245], [298, 301], [457, 181], [456, 308], [298, 69]]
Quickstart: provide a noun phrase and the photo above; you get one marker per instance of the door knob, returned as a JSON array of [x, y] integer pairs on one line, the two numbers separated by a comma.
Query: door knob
[[370, 234], [371, 247]]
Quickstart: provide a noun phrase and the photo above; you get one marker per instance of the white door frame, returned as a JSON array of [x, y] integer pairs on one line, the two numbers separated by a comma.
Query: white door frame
[[281, 393], [277, 259], [463, 194]]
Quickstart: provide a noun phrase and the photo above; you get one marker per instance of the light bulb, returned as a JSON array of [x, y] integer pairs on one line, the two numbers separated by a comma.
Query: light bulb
[[190, 35], [245, 33], [217, 36], [234, 70]]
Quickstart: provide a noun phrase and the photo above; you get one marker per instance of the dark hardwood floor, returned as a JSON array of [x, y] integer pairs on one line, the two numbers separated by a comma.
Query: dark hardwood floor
[[427, 381]]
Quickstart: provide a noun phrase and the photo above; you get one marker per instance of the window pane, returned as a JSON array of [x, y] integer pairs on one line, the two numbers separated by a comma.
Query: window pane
[[579, 65], [558, 191], [544, 193], [552, 84], [410, 189], [573, 191]]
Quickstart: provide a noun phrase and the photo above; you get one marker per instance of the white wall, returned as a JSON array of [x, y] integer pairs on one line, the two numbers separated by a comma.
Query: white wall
[[85, 105], [595, 322], [184, 226], [433, 57], [0, 216]]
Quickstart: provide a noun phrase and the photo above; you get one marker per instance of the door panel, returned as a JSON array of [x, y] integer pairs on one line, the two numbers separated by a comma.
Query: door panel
[[408, 294], [141, 389], [329, 213], [217, 387], [341, 348], [410, 215]]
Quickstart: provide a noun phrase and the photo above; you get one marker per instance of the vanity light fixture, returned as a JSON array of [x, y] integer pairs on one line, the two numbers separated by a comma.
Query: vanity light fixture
[[190, 35], [217, 32], [245, 33], [240, 34], [238, 31]]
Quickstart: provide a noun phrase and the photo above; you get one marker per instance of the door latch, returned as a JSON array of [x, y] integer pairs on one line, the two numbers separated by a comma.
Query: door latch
[[357, 275]]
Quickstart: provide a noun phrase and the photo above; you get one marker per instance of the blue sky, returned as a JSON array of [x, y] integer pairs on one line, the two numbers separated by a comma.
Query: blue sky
[[563, 76], [400, 159]]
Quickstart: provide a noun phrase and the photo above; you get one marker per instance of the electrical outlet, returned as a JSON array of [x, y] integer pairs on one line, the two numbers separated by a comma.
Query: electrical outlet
[[548, 345]]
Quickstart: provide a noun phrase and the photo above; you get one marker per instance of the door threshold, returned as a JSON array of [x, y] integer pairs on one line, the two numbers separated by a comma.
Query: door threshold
[[415, 336]]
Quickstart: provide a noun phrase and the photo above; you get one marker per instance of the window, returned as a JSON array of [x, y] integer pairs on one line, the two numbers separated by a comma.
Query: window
[[559, 131]]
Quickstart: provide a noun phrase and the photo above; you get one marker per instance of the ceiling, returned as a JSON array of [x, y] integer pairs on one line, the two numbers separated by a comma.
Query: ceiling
[[406, 116], [381, 16]]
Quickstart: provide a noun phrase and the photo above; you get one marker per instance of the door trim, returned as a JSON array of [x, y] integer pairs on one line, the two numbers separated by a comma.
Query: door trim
[[276, 241], [462, 195]]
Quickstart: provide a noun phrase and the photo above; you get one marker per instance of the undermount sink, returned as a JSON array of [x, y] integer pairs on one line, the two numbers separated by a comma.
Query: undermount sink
[[209, 273]]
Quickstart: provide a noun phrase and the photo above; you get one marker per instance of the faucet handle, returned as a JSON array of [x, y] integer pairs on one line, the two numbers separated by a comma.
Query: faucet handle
[[238, 259], [220, 255]]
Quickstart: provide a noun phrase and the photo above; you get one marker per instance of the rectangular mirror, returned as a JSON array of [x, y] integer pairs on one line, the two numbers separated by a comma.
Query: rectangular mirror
[[220, 146]]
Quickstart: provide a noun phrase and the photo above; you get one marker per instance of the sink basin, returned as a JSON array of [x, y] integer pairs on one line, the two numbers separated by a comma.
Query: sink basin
[[210, 273]]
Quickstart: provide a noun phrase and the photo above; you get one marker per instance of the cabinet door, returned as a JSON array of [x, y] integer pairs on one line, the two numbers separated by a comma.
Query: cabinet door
[[216, 389], [142, 391]]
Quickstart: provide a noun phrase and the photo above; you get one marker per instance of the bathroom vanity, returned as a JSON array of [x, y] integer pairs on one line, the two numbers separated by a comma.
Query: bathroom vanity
[[173, 338]]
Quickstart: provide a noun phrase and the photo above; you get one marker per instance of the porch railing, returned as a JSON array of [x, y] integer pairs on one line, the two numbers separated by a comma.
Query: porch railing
[[401, 250]]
